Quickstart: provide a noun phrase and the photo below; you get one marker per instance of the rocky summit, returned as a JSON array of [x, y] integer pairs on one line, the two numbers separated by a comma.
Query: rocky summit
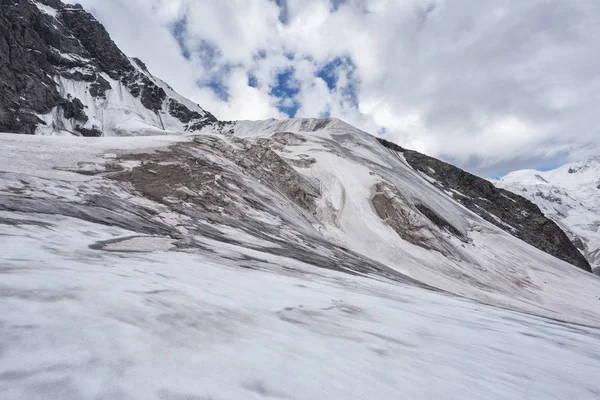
[[61, 72]]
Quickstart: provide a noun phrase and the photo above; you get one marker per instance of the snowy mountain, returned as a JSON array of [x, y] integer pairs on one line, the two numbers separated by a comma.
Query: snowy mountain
[[570, 195], [61, 73], [180, 257], [273, 259]]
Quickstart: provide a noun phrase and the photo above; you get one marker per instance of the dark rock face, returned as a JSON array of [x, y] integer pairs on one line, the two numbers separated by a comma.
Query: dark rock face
[[185, 115], [152, 95], [96, 41], [439, 221], [99, 87], [181, 112], [141, 64], [577, 242], [25, 56], [209, 119], [508, 211], [36, 47], [94, 132], [73, 109]]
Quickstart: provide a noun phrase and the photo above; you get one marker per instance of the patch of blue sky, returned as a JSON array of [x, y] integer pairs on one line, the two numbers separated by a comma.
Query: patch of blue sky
[[217, 86], [252, 80], [288, 106], [335, 4], [179, 31], [331, 72], [216, 81], [326, 113], [208, 54], [286, 87], [284, 11]]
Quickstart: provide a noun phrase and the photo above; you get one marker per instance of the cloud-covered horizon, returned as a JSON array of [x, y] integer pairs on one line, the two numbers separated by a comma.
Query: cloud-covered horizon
[[491, 86]]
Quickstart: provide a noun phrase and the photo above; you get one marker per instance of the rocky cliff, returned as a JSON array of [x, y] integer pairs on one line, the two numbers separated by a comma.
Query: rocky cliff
[[60, 72]]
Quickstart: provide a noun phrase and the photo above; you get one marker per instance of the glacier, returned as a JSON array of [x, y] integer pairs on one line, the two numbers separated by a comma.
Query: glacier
[[122, 277]]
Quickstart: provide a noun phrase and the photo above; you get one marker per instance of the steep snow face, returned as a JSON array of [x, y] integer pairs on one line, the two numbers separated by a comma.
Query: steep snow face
[[570, 195], [270, 265], [510, 212], [118, 112]]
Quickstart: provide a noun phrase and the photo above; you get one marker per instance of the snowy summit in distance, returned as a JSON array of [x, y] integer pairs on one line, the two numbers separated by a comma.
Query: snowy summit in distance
[[570, 195]]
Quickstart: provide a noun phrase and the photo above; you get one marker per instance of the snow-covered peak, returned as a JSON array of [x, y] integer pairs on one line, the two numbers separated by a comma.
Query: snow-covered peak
[[528, 176], [570, 195], [581, 179]]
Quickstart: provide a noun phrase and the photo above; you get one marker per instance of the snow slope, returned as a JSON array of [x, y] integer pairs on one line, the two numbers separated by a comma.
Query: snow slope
[[489, 265], [172, 267], [570, 195], [330, 173], [77, 323]]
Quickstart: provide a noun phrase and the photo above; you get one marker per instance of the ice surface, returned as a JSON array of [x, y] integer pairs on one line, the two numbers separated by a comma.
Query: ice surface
[[78, 323], [54, 157], [139, 243]]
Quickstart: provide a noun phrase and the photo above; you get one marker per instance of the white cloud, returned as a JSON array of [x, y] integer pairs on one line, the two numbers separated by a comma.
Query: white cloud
[[245, 102], [490, 85]]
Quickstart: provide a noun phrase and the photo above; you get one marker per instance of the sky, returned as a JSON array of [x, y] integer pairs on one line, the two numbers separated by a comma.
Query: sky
[[489, 85]]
